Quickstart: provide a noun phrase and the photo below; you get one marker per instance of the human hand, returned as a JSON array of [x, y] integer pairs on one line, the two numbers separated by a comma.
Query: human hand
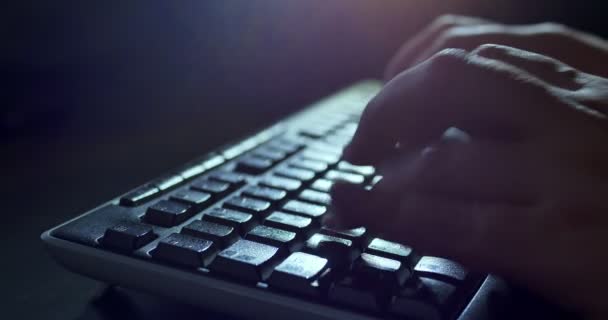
[[577, 49], [521, 193]]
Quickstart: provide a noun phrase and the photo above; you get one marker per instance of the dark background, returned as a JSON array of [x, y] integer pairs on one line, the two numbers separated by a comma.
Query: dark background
[[98, 97]]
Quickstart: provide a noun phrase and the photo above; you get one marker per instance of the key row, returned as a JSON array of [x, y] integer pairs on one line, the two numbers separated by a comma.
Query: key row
[[282, 230], [276, 150], [373, 283], [382, 265]]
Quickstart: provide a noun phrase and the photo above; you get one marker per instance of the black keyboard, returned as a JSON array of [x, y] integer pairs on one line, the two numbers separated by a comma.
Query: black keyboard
[[240, 230]]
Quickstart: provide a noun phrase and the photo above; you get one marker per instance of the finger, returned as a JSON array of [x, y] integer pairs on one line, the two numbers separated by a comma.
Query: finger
[[594, 93], [414, 47], [543, 67], [581, 51], [452, 89], [589, 90], [479, 171], [488, 236]]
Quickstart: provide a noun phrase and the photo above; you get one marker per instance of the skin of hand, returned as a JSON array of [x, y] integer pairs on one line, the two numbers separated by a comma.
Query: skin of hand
[[518, 188]]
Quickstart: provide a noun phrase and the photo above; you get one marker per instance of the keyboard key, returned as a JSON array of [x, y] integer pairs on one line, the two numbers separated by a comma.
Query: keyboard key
[[442, 293], [315, 197], [241, 221], [428, 300], [128, 236], [390, 249], [440, 268], [339, 251], [192, 171], [379, 273], [139, 195], [346, 292], [249, 205], [228, 177], [202, 166], [253, 165], [212, 161], [215, 188], [295, 173], [298, 273], [168, 182], [329, 158], [281, 183], [221, 235], [322, 185], [193, 198], [239, 148], [330, 152], [265, 193], [271, 154], [337, 140], [284, 240], [304, 208], [353, 178], [286, 146], [348, 129], [167, 213], [314, 133], [184, 250], [357, 235], [308, 164], [362, 170], [246, 260], [289, 222]]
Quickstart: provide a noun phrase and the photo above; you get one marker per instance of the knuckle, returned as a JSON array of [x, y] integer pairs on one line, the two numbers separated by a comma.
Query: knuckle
[[491, 50], [448, 59]]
